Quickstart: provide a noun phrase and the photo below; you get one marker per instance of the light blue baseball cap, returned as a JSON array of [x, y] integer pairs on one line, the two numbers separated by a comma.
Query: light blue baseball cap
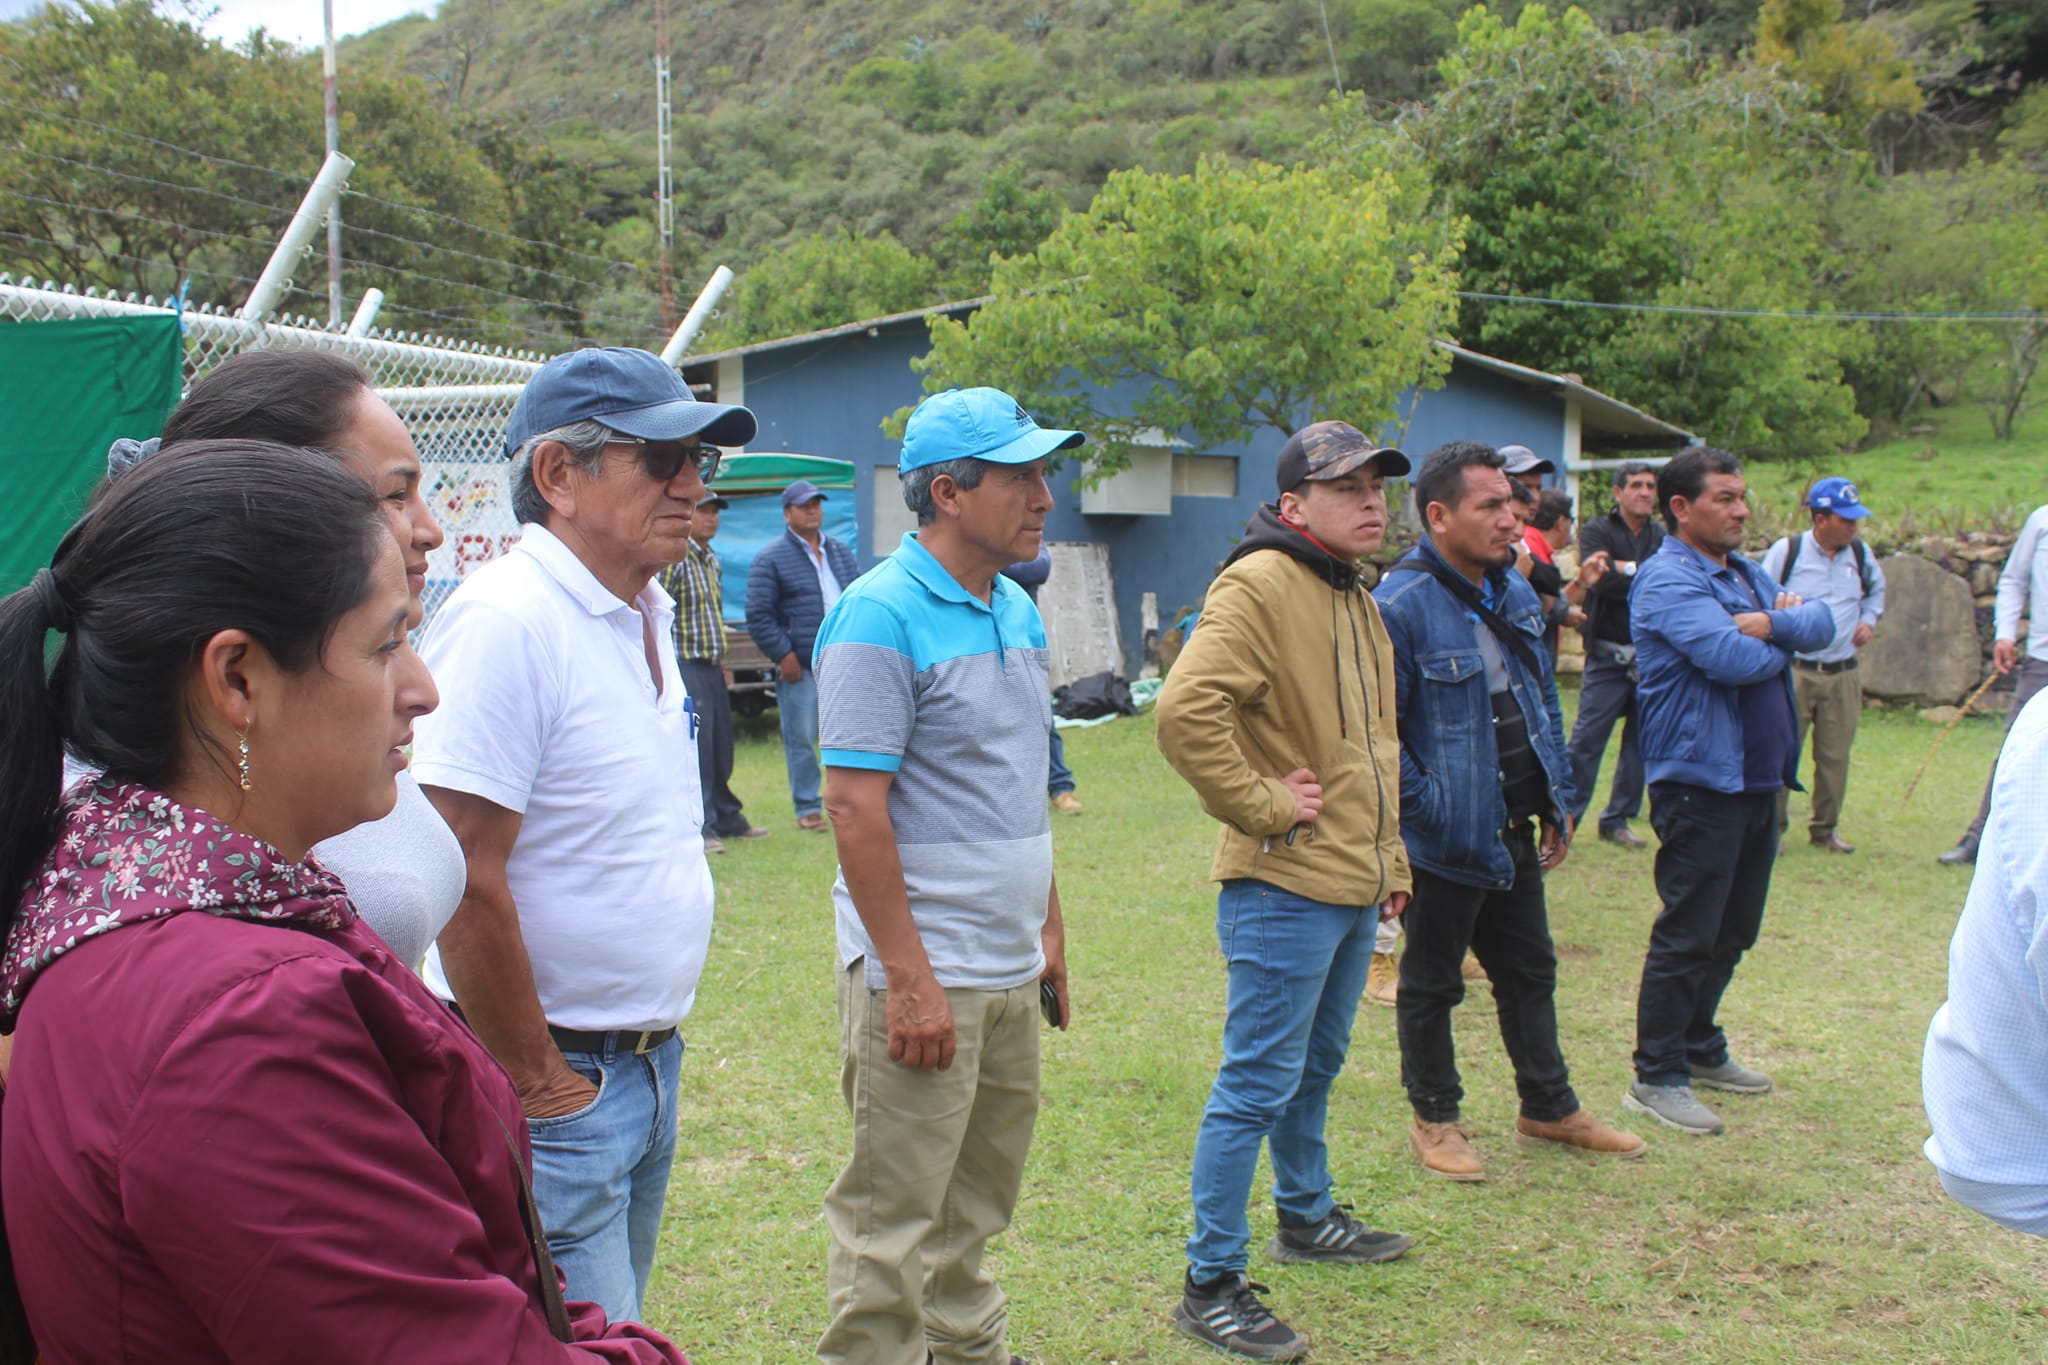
[[1839, 496], [986, 424]]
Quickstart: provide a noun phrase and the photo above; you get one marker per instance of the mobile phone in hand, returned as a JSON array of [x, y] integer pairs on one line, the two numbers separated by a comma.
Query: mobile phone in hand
[[1049, 1004]]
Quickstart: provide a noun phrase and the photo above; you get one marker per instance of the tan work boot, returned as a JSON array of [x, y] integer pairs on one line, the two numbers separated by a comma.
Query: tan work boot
[[1066, 803], [1444, 1151], [1581, 1130], [1383, 980]]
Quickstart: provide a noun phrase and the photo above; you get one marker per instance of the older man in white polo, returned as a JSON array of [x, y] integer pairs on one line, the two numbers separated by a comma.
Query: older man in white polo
[[565, 759]]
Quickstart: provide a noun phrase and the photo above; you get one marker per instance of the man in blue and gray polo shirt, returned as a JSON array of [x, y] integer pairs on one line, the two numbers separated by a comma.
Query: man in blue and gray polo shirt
[[934, 710]]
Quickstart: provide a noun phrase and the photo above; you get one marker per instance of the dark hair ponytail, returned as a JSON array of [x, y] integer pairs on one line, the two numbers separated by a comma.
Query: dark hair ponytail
[[204, 537]]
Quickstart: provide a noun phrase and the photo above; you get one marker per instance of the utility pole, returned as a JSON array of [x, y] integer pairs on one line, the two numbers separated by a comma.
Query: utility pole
[[666, 191], [333, 103]]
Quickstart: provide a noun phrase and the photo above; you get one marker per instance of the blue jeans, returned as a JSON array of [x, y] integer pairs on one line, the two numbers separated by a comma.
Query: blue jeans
[[1296, 969], [1058, 776], [796, 707], [600, 1175]]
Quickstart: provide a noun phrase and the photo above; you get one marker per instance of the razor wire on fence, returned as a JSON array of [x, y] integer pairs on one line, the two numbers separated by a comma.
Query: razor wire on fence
[[453, 396]]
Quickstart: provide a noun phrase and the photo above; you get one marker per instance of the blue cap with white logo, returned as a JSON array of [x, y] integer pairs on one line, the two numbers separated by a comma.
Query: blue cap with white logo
[[1837, 495], [987, 424]]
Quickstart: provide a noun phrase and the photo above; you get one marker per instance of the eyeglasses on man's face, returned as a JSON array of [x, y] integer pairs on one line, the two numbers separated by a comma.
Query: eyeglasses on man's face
[[663, 460]]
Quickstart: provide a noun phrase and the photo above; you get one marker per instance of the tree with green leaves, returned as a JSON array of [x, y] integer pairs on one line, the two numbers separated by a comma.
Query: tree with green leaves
[[138, 153], [1215, 304], [1008, 220], [823, 281], [1611, 169]]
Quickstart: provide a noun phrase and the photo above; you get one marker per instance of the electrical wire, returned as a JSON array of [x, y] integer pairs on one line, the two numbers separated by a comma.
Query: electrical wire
[[99, 253], [300, 180], [1796, 314], [278, 212], [372, 267]]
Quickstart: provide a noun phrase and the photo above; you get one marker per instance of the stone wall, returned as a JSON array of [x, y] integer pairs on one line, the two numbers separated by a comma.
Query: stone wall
[[1971, 559]]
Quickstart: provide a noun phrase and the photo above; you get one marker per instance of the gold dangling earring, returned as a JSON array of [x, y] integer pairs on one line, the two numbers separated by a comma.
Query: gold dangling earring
[[243, 736]]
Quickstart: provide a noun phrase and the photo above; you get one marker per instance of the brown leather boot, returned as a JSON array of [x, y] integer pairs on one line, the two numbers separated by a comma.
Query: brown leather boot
[[1444, 1151], [1581, 1130], [1383, 980]]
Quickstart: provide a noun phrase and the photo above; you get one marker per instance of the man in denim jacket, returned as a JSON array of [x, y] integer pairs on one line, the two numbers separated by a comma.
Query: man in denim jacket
[[1714, 643], [1483, 766]]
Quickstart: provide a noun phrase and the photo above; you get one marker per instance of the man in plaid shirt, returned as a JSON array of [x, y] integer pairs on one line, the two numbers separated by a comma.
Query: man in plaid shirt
[[698, 588]]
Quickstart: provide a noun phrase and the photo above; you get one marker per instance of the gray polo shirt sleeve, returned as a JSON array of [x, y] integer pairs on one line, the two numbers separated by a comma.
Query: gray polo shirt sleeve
[[867, 685]]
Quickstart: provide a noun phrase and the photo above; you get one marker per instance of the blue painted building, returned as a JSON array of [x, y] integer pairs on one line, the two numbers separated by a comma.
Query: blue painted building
[[1169, 520]]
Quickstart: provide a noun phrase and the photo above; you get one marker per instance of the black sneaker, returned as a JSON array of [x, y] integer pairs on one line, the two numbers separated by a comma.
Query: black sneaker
[[1228, 1315], [1338, 1237]]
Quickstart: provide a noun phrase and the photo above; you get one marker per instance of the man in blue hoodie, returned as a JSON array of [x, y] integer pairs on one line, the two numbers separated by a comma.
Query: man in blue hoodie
[[1714, 643]]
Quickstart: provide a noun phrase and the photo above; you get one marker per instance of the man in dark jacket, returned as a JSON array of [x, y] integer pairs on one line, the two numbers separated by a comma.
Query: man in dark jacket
[[1628, 536], [1719, 743], [794, 582], [1474, 695]]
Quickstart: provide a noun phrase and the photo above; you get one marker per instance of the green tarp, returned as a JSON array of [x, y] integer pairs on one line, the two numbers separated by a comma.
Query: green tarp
[[67, 389], [771, 472]]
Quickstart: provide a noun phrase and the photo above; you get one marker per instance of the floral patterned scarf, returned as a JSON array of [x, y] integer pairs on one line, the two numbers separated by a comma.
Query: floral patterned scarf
[[125, 854]]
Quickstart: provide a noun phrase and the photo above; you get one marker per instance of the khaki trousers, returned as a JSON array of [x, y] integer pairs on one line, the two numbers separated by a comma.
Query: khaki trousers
[[1826, 708], [938, 1158]]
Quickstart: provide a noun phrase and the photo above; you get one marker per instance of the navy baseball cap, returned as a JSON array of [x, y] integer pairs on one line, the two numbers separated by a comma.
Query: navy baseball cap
[[987, 424], [635, 393], [1837, 495], [801, 492], [1322, 451]]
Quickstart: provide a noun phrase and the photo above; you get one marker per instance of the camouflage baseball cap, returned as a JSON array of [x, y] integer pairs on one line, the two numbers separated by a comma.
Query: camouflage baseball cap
[[1330, 450]]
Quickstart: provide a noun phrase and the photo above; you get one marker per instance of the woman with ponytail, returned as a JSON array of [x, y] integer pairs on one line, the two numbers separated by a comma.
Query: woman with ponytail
[[237, 1127], [405, 872]]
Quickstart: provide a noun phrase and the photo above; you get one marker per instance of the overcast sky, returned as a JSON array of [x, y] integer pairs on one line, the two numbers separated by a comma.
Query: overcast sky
[[297, 21]]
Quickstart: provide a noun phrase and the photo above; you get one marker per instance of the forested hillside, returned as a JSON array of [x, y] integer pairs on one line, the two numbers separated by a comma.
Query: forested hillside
[[853, 157]]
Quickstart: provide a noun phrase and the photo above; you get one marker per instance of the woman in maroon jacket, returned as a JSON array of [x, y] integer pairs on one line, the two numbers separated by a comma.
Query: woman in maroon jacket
[[236, 1128]]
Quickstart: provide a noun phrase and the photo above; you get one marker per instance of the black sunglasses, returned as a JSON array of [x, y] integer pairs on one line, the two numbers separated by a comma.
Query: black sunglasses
[[663, 460]]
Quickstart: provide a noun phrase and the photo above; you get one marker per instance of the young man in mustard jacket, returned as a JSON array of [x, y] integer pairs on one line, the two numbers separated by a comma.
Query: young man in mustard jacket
[[1280, 714]]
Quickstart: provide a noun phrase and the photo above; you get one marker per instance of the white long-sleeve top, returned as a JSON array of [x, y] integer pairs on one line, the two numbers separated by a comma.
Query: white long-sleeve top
[[1984, 1074], [2023, 586]]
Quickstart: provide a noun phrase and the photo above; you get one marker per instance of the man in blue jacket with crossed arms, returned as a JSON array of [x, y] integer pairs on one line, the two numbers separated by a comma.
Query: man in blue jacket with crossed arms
[[1714, 643]]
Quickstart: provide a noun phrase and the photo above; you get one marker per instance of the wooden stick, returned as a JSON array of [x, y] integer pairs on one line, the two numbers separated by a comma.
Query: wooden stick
[[1964, 710]]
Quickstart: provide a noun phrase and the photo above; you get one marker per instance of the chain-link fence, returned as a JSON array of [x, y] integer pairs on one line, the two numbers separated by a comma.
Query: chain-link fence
[[453, 396]]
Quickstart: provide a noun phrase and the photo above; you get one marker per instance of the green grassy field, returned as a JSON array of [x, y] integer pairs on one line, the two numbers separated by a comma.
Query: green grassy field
[[1953, 477], [1812, 1232]]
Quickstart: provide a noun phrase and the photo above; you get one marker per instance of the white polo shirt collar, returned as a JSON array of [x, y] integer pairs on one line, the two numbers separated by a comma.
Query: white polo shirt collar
[[575, 576]]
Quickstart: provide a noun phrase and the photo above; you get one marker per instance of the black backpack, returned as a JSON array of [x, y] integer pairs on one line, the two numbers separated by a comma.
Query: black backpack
[[1793, 544]]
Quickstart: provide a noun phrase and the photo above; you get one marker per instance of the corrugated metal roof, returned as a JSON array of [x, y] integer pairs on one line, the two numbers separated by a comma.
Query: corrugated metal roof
[[1607, 419], [843, 330], [1621, 424]]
